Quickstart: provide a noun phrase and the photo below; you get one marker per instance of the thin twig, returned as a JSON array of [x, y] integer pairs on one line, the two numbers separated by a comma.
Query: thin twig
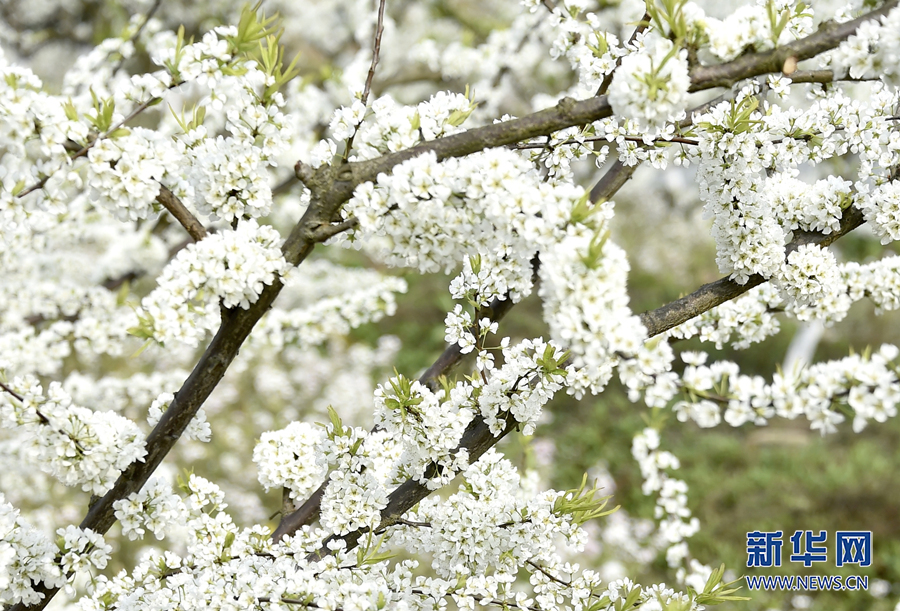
[[14, 394], [376, 52], [548, 574], [137, 32], [367, 89], [44, 419], [643, 24]]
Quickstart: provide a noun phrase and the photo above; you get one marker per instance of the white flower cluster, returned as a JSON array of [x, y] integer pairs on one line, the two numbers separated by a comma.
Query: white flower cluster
[[590, 50], [649, 373], [27, 559], [287, 458], [428, 425], [816, 207], [583, 287], [353, 500], [881, 207], [872, 51], [125, 172], [651, 85], [198, 428], [431, 215], [487, 525], [866, 384], [363, 464], [52, 306], [82, 549], [74, 444], [749, 239], [676, 523], [458, 324], [232, 266], [753, 213], [532, 372], [155, 508], [484, 278], [757, 27], [392, 126], [28, 112], [810, 275], [322, 299], [229, 178], [878, 280]]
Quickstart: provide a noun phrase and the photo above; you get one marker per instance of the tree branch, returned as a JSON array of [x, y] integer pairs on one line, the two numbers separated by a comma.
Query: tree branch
[[221, 351], [376, 51], [341, 180], [828, 36], [308, 512], [716, 293], [176, 207]]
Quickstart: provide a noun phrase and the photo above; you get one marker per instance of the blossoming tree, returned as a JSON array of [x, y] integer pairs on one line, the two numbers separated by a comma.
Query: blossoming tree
[[183, 195]]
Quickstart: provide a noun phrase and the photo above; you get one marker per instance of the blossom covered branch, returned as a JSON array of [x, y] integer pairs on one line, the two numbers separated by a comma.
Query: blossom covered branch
[[442, 181]]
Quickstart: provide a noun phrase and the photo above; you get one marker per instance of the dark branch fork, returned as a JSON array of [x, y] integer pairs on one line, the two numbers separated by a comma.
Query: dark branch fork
[[332, 186]]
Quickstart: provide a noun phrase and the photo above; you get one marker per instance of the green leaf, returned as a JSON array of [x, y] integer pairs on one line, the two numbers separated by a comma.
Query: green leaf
[[69, 109], [581, 505], [336, 423], [458, 117], [253, 27], [118, 132]]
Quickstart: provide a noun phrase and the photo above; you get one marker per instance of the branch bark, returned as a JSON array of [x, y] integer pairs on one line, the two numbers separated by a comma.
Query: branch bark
[[177, 209]]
